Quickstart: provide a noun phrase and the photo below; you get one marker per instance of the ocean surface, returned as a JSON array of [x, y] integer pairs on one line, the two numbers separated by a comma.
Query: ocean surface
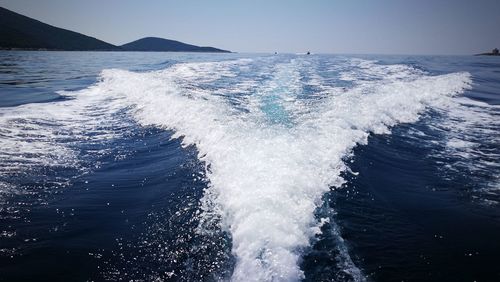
[[248, 167]]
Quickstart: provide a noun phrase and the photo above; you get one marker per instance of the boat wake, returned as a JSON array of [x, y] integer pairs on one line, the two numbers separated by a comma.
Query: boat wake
[[273, 136]]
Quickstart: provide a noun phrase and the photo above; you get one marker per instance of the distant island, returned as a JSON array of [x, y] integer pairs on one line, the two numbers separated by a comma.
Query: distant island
[[166, 45], [18, 32], [494, 52]]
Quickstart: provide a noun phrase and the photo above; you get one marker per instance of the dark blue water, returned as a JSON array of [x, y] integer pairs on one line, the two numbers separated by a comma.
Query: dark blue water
[[248, 167]]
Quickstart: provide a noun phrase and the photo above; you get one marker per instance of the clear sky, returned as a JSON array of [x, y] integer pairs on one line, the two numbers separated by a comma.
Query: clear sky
[[321, 26]]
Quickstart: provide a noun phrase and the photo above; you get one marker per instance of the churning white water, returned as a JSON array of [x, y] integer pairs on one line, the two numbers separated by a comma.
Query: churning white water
[[270, 153]]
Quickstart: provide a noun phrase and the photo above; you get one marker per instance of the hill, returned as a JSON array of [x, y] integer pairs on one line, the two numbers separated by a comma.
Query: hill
[[21, 32], [166, 45]]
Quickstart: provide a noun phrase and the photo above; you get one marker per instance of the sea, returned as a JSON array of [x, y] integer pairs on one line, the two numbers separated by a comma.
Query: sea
[[132, 166]]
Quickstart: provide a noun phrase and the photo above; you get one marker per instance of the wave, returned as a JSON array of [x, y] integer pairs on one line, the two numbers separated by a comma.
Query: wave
[[465, 141], [270, 151]]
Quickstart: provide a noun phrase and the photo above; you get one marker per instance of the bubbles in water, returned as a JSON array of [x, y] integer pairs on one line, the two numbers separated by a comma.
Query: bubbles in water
[[270, 148]]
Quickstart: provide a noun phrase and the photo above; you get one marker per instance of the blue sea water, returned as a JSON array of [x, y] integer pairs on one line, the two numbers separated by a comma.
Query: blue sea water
[[248, 167]]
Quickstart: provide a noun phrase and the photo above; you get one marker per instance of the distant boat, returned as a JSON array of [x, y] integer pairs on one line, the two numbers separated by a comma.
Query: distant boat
[[494, 52], [308, 53]]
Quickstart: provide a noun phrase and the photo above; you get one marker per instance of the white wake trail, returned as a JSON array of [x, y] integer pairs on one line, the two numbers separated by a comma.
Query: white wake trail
[[268, 175], [268, 179]]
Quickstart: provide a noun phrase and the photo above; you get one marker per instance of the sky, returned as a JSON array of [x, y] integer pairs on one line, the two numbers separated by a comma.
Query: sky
[[320, 26]]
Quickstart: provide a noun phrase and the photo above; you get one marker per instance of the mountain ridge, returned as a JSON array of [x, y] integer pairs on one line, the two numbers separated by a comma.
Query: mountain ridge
[[158, 44], [19, 32]]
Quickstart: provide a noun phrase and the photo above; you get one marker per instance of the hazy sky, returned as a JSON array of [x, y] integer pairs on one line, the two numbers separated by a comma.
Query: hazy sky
[[322, 26]]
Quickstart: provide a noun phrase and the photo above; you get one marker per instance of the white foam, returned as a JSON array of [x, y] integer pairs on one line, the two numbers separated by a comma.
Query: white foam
[[51, 135], [267, 179], [470, 129]]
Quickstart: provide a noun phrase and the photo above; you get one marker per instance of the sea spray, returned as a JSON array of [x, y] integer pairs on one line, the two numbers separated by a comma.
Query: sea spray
[[267, 167], [269, 178]]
